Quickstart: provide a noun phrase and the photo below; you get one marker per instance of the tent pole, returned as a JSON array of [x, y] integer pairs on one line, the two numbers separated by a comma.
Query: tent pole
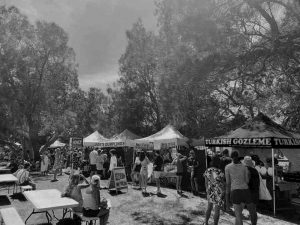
[[273, 177]]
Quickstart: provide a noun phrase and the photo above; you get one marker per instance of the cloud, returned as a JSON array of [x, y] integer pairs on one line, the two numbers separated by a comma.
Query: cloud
[[98, 80], [96, 29]]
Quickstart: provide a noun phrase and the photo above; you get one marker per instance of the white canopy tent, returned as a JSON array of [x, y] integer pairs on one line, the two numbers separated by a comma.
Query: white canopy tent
[[94, 139], [57, 144], [120, 140], [168, 137]]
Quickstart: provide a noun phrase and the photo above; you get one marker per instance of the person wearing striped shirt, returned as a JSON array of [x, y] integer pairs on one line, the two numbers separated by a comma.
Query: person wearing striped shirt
[[23, 177]]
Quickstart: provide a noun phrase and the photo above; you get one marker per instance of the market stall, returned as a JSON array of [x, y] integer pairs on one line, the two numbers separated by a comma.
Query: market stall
[[166, 138], [168, 141], [261, 136], [124, 145], [94, 139]]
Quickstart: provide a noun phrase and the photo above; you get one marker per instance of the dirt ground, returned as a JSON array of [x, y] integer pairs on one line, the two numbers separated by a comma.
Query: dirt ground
[[132, 208]]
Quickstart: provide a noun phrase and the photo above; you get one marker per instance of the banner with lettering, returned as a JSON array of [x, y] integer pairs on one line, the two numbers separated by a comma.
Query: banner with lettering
[[269, 142], [76, 142], [118, 179]]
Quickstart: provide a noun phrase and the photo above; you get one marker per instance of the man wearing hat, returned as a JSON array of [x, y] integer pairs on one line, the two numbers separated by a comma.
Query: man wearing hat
[[253, 185]]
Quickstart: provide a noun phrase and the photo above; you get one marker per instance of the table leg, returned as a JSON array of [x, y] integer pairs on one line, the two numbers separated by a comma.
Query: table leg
[[65, 211], [48, 216], [54, 215]]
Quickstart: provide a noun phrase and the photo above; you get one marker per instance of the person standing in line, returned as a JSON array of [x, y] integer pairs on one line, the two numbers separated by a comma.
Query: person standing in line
[[44, 164], [254, 183], [157, 168], [144, 171], [193, 166], [178, 161], [215, 189], [225, 160], [237, 178], [99, 163], [93, 161]]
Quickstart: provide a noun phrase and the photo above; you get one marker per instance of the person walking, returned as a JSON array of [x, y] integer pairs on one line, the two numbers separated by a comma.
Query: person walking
[[135, 174], [44, 164], [178, 161], [144, 171], [237, 178], [93, 162], [57, 164], [254, 183], [193, 165], [215, 189], [157, 168]]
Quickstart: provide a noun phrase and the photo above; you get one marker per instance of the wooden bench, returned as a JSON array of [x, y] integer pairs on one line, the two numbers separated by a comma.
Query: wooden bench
[[10, 216]]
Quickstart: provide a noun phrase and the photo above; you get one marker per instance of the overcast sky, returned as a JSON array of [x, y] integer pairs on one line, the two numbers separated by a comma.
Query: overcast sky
[[96, 30]]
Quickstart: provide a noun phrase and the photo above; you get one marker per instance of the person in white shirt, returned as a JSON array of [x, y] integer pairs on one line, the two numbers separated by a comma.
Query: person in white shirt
[[113, 159], [93, 162]]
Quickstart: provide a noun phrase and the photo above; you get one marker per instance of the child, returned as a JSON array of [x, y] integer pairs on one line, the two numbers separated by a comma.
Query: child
[[73, 190]]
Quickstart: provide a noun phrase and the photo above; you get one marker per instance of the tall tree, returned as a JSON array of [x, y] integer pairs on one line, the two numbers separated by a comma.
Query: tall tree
[[38, 73], [136, 100]]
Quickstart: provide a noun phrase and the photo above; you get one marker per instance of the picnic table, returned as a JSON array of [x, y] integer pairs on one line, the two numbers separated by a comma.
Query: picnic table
[[50, 199], [6, 180]]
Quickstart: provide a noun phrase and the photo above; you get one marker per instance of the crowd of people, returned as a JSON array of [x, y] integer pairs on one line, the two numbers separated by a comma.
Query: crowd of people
[[232, 181], [229, 181]]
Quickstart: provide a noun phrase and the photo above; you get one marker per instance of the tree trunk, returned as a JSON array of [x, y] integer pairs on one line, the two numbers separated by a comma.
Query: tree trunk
[[34, 141]]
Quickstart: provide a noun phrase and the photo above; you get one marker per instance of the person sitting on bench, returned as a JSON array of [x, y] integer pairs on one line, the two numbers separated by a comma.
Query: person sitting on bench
[[93, 206], [22, 174]]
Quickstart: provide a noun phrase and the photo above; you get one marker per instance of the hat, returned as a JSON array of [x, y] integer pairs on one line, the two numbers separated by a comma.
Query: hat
[[95, 179], [248, 161]]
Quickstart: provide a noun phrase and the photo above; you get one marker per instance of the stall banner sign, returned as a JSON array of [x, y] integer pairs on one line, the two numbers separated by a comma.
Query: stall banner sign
[[118, 179], [168, 145], [111, 144], [254, 142], [76, 142], [149, 145]]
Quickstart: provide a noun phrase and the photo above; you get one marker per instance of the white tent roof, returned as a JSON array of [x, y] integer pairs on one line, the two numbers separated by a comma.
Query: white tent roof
[[94, 139], [57, 144], [168, 136]]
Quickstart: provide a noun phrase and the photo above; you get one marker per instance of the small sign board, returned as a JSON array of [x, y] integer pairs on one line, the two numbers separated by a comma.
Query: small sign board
[[118, 179], [76, 142]]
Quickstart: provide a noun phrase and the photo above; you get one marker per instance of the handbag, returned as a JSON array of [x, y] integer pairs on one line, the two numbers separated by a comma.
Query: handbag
[[264, 193]]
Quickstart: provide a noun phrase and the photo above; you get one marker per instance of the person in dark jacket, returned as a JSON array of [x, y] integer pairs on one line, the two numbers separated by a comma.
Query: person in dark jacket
[[225, 159], [253, 185], [193, 165], [157, 169]]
